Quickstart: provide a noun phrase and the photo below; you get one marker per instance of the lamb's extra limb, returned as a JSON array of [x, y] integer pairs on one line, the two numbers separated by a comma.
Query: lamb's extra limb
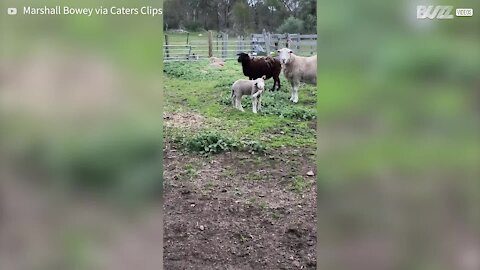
[[254, 104]]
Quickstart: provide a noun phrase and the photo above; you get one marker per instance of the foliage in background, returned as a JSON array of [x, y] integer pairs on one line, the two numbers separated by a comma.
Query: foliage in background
[[239, 16], [292, 25]]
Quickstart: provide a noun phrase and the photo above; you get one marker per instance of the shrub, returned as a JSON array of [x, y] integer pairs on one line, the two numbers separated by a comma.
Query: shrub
[[255, 147], [210, 142], [193, 26], [213, 142], [291, 25]]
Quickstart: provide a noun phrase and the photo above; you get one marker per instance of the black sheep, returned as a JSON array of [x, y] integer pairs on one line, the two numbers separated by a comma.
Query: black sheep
[[259, 66]]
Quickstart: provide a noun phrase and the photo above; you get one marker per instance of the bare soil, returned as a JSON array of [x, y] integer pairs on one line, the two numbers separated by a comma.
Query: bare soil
[[239, 211]]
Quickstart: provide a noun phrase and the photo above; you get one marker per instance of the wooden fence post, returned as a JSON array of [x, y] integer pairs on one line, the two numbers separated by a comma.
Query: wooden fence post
[[210, 44], [239, 46], [267, 43], [311, 46], [225, 45], [252, 44], [298, 42], [288, 40], [167, 54], [242, 38]]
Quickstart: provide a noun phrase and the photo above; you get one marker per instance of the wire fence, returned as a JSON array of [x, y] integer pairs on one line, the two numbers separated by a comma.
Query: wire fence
[[225, 47]]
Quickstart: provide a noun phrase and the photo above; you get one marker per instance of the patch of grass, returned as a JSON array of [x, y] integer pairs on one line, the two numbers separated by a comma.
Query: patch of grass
[[275, 103], [190, 171], [298, 184], [196, 87], [237, 192], [228, 173], [289, 140], [276, 216], [210, 185], [262, 205], [257, 203], [253, 177], [210, 142]]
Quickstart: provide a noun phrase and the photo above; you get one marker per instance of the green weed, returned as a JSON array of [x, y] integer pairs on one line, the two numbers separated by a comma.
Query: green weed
[[298, 184], [213, 142]]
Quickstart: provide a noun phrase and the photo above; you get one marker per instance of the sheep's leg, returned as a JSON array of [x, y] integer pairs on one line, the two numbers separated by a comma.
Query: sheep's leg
[[292, 95], [295, 93], [276, 81], [254, 104], [259, 103]]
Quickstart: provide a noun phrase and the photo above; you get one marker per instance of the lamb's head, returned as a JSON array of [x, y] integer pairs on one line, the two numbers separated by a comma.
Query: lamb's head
[[284, 54], [243, 57], [260, 83]]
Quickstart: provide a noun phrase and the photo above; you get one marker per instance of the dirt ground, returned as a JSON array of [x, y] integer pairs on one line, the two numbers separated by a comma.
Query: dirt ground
[[239, 211]]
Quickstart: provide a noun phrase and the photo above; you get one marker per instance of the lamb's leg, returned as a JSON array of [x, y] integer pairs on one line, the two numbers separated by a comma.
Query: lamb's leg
[[278, 82], [254, 104], [239, 104], [259, 103]]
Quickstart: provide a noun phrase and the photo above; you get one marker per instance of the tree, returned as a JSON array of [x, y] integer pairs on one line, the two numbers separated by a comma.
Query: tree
[[292, 25], [239, 15], [242, 17]]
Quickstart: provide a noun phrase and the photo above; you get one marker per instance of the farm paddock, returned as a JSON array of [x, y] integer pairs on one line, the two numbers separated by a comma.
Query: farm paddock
[[239, 188]]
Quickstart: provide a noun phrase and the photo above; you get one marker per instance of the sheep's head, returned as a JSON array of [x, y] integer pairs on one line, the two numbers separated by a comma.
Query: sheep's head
[[260, 84], [284, 55], [243, 57]]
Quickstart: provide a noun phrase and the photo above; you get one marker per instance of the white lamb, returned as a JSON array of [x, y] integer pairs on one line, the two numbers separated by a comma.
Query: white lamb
[[254, 88], [298, 69]]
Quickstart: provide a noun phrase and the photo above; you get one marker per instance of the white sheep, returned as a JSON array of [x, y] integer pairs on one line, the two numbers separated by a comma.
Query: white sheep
[[298, 69], [252, 88]]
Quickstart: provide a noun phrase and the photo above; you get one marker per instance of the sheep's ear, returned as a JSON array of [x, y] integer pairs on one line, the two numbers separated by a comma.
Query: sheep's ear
[[256, 84], [264, 77]]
